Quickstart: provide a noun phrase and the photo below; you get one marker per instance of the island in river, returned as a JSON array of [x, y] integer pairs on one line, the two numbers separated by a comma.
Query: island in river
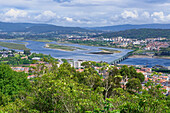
[[14, 45], [105, 51], [38, 47], [62, 47]]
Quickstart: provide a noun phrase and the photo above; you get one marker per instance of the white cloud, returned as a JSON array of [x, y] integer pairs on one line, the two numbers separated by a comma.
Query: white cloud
[[68, 19], [129, 14], [168, 17], [146, 15], [46, 16], [85, 12], [49, 13], [15, 13], [159, 15]]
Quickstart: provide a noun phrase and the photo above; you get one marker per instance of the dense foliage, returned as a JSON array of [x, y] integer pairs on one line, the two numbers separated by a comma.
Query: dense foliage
[[163, 52], [139, 33], [18, 60], [11, 84], [63, 89], [129, 26]]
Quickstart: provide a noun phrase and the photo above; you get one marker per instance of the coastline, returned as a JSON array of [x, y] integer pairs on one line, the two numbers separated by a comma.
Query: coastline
[[145, 56], [93, 45]]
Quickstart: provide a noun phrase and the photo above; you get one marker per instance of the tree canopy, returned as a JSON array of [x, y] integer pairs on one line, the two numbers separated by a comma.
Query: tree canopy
[[63, 89]]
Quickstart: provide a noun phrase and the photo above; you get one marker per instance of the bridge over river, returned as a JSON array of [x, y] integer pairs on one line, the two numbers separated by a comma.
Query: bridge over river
[[117, 61]]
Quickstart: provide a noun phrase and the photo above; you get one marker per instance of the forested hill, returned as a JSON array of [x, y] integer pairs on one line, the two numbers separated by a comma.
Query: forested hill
[[35, 28], [139, 33], [128, 26]]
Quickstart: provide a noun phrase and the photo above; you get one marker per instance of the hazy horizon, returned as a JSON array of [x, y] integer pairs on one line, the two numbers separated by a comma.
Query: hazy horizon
[[87, 26]]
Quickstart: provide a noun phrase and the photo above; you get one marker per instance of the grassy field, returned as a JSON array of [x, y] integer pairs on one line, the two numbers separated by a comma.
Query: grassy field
[[62, 47], [13, 46]]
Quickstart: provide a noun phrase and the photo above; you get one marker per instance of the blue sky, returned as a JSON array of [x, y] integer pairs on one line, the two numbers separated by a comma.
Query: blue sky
[[85, 13]]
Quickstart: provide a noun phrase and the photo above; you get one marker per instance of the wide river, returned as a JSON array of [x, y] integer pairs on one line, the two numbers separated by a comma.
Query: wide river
[[38, 47]]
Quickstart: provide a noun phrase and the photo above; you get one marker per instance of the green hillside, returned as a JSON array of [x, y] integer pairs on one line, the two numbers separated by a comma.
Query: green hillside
[[139, 33]]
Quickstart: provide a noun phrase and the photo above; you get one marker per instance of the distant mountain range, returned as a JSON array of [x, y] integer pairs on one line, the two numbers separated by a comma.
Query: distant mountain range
[[129, 26], [42, 28], [35, 28]]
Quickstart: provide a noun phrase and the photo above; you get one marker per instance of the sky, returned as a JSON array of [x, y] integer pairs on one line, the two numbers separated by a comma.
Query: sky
[[85, 13]]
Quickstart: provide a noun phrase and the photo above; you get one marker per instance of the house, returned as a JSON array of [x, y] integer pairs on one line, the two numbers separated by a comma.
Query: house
[[4, 55], [31, 76], [21, 69], [33, 65], [26, 57], [80, 70]]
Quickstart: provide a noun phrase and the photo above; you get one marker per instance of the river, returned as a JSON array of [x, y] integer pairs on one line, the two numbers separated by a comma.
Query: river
[[149, 62], [38, 47]]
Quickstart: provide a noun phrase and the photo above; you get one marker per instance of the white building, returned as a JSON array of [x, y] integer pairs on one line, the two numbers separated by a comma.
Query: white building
[[76, 64], [136, 43], [36, 58]]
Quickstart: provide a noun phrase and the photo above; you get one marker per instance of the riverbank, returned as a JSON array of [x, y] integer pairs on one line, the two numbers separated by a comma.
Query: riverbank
[[97, 44], [162, 57], [107, 51], [146, 56]]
